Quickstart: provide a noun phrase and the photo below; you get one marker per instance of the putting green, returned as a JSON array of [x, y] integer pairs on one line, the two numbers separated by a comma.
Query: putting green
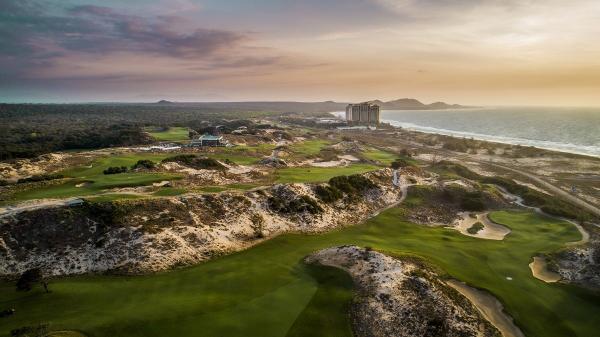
[[267, 291]]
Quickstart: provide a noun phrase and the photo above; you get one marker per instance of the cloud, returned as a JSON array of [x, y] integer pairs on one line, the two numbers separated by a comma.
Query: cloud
[[33, 40]]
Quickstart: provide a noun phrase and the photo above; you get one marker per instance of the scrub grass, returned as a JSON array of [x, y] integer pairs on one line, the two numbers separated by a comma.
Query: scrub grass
[[267, 290]]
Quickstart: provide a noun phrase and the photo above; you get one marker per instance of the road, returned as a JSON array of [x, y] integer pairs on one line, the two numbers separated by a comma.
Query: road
[[556, 190]]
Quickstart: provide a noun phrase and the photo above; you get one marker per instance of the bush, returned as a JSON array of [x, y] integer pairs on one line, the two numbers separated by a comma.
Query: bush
[[196, 162], [40, 177], [115, 170], [473, 202], [328, 194], [457, 169], [302, 204], [400, 163], [475, 228], [352, 184], [30, 276], [144, 164]]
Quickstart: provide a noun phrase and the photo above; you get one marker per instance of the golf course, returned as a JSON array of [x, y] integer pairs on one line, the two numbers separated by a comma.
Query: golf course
[[268, 291]]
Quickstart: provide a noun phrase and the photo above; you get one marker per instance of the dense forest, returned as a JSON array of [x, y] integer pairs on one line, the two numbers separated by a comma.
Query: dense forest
[[28, 130]]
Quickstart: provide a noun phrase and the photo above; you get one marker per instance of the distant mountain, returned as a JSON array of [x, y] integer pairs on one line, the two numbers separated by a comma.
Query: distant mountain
[[327, 106], [413, 104]]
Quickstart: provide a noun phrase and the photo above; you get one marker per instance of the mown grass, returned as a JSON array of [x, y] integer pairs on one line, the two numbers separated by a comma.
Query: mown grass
[[114, 197], [173, 134], [267, 291], [383, 157], [319, 174], [93, 185]]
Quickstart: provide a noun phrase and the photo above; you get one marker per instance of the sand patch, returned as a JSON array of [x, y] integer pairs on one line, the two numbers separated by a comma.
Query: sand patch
[[332, 163], [489, 307], [539, 269], [349, 157], [490, 231]]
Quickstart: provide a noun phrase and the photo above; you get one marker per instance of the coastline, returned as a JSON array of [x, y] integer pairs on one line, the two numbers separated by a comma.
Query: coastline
[[541, 144], [589, 151]]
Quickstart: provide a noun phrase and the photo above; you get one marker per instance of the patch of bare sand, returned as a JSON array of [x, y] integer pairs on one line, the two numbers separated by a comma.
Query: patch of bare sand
[[490, 231], [539, 269], [489, 307]]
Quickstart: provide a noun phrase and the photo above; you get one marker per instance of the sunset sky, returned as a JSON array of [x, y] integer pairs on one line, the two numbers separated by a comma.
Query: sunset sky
[[487, 52]]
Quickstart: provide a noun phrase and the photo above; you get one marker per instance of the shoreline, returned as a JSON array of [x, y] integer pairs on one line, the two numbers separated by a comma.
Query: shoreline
[[490, 138], [539, 144]]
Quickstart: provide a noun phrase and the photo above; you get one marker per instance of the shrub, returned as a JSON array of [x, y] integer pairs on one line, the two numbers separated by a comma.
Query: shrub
[[328, 194], [40, 177], [144, 164], [457, 169], [301, 204], [351, 184], [475, 228], [115, 170], [473, 201], [342, 184], [400, 163], [194, 161], [30, 276]]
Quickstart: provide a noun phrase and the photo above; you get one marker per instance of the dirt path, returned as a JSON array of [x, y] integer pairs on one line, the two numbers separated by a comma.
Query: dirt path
[[559, 192], [585, 236], [489, 307], [565, 195]]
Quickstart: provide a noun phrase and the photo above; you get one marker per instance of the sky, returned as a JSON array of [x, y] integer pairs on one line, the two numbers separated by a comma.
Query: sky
[[487, 52]]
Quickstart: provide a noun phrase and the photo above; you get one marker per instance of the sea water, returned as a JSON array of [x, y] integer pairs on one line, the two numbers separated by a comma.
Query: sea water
[[575, 130]]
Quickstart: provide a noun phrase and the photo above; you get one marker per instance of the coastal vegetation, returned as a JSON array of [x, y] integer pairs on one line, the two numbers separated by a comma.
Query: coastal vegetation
[[271, 293]]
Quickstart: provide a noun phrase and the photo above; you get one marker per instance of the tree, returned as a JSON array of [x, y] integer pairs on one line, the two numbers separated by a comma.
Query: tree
[[29, 278]]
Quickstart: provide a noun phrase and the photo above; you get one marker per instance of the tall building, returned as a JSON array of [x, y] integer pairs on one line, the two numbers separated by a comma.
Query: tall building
[[363, 113]]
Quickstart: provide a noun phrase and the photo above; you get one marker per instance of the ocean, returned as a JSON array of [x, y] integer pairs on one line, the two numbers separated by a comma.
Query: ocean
[[574, 130]]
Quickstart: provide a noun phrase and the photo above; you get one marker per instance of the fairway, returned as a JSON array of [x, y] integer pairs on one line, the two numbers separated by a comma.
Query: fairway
[[319, 174], [172, 134], [267, 291]]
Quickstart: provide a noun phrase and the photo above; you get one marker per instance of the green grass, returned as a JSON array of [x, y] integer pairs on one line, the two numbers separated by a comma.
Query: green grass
[[383, 157], [114, 197], [169, 192], [267, 291], [97, 182], [93, 185], [319, 174], [309, 147], [173, 134]]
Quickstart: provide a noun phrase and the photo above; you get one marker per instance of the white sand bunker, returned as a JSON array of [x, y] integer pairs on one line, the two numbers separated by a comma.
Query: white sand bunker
[[489, 307], [539, 269], [478, 225]]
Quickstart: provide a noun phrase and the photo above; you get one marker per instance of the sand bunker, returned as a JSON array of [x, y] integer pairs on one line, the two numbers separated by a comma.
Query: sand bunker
[[333, 163], [349, 157], [490, 231], [539, 269], [490, 308]]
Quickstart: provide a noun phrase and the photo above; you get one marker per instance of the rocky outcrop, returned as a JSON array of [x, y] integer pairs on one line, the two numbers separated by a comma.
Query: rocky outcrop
[[148, 235], [402, 297], [579, 264]]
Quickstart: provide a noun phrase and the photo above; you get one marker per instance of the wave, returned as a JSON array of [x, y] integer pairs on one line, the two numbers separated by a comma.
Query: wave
[[588, 150]]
